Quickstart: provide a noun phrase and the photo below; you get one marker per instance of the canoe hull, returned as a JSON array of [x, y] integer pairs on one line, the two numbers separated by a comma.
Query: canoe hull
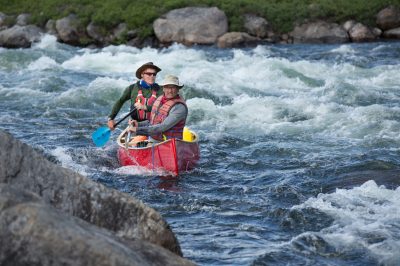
[[172, 155]]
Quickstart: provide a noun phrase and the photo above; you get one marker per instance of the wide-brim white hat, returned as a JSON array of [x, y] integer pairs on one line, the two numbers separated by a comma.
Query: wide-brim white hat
[[171, 80]]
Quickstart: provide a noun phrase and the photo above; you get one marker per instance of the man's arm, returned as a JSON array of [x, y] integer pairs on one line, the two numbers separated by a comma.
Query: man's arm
[[118, 104], [177, 113]]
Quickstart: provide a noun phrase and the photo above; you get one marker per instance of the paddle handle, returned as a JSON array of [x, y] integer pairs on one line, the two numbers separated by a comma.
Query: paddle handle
[[123, 118]]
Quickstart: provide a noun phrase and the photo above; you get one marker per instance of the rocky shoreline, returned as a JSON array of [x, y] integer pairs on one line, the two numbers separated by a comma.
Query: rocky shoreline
[[50, 215], [196, 25]]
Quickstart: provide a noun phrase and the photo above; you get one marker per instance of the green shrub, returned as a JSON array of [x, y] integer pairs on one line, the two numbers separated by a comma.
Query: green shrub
[[281, 14]]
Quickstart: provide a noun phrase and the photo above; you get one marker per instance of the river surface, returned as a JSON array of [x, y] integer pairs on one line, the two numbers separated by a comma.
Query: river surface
[[300, 144]]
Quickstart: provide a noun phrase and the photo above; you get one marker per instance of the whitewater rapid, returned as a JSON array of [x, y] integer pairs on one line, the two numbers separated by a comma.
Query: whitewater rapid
[[299, 144]]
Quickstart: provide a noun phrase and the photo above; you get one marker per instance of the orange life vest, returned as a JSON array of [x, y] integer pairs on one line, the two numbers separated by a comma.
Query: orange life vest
[[158, 114], [144, 114]]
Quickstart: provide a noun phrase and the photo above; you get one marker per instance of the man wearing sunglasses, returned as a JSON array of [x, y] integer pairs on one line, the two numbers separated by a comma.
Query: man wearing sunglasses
[[142, 94]]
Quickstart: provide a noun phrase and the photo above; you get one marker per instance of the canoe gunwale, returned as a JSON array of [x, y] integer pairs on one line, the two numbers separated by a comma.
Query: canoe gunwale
[[123, 133]]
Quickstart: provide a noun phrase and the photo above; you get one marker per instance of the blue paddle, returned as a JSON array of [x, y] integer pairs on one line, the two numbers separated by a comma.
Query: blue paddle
[[102, 135]]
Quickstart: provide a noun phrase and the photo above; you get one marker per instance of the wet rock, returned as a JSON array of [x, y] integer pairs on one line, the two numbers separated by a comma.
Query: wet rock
[[34, 233], [120, 31], [388, 18], [236, 39], [377, 32], [20, 36], [257, 26], [392, 34], [2, 19], [96, 32], [191, 25], [71, 31], [74, 194], [24, 19], [50, 27], [361, 33], [349, 24], [6, 21], [319, 32]]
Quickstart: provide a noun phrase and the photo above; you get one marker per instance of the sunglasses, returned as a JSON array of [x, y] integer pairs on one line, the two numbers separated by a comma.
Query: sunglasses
[[150, 74]]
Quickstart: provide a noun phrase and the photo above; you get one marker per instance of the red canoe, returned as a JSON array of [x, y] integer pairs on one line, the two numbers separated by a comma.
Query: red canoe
[[172, 155]]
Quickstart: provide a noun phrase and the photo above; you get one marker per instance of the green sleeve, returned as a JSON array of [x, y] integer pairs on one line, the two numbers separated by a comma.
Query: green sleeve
[[126, 95]]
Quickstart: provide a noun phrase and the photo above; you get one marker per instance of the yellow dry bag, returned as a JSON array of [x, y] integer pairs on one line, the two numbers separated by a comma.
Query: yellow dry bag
[[187, 135]]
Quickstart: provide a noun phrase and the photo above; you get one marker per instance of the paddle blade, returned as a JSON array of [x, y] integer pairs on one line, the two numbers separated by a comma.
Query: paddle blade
[[101, 136]]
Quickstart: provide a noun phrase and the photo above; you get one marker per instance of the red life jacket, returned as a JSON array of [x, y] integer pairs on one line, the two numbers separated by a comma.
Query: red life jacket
[[143, 114], [158, 114]]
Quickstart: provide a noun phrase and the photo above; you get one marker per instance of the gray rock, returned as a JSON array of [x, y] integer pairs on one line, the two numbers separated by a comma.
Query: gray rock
[[236, 39], [257, 26], [392, 34], [377, 32], [34, 233], [319, 32], [20, 36], [3, 18], [349, 24], [74, 194], [6, 21], [71, 31], [24, 19], [388, 18], [120, 31], [96, 32], [191, 25], [130, 34], [50, 27], [361, 33]]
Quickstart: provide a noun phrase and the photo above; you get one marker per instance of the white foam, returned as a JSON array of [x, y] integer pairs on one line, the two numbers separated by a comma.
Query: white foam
[[361, 215], [138, 170], [273, 95], [42, 63], [344, 49], [26, 93], [97, 92], [61, 153], [47, 41], [112, 59]]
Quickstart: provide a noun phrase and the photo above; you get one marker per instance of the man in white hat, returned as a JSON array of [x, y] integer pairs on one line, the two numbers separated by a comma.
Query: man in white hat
[[168, 114], [142, 94]]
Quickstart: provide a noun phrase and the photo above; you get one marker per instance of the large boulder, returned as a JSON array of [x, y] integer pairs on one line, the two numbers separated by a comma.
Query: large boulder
[[50, 27], [236, 39], [97, 33], [319, 32], [392, 34], [361, 33], [257, 26], [34, 233], [74, 194], [349, 24], [191, 25], [6, 21], [388, 18], [24, 19], [3, 18], [20, 36], [71, 31]]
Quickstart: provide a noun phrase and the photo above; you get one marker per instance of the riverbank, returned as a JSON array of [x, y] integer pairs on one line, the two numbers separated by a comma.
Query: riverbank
[[223, 24]]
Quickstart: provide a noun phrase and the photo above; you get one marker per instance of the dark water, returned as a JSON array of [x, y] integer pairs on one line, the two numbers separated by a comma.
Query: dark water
[[299, 144]]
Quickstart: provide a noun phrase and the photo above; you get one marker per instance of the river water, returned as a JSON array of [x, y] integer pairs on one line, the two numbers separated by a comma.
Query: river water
[[300, 144]]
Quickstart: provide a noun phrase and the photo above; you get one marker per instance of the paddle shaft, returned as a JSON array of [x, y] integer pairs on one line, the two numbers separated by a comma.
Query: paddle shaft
[[123, 118]]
